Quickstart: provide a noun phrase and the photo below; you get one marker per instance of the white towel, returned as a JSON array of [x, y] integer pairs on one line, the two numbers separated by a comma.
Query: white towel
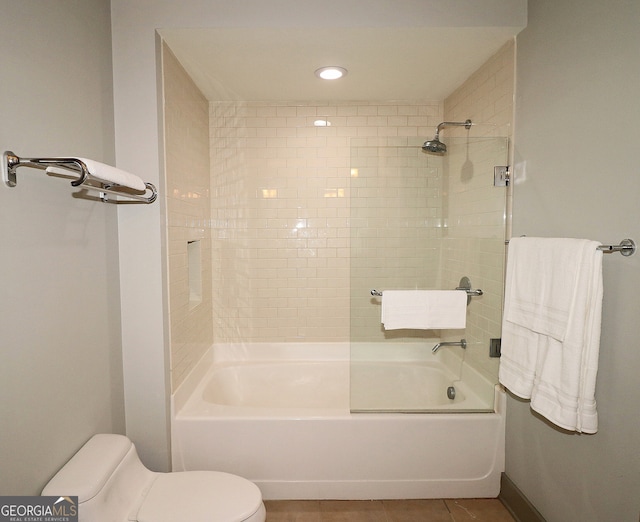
[[424, 309], [113, 175], [551, 328]]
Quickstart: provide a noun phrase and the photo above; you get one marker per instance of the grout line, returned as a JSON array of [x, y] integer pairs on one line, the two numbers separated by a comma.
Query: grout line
[[446, 504]]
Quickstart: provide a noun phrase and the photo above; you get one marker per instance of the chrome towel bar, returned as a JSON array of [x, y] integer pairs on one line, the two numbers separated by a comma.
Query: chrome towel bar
[[464, 284], [627, 247]]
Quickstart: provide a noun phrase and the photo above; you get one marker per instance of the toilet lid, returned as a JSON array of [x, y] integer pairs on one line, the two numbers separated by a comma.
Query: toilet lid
[[200, 496]]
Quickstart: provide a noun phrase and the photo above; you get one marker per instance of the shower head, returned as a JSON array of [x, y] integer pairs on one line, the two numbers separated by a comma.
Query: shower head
[[435, 146]]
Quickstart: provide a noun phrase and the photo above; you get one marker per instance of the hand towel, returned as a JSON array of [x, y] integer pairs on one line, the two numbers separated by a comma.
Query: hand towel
[[424, 309], [551, 328], [111, 174]]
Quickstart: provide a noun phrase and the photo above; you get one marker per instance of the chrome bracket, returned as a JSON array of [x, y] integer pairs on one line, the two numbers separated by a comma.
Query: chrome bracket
[[9, 163], [465, 284], [501, 176]]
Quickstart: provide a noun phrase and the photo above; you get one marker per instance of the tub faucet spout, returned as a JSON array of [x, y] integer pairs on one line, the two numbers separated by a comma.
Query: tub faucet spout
[[461, 342]]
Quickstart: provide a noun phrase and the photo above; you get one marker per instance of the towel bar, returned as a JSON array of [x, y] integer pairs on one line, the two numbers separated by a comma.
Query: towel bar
[[627, 247], [470, 292]]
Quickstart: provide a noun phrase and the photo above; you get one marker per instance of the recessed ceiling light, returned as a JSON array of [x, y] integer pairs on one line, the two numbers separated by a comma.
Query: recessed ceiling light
[[331, 73]]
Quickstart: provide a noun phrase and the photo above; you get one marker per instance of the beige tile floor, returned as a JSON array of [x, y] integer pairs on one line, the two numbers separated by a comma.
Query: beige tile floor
[[440, 510]]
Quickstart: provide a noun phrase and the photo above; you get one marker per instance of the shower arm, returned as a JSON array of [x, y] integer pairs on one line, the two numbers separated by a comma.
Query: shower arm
[[466, 124]]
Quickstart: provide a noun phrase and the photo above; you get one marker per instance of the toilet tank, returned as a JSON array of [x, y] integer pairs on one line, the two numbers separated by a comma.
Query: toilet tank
[[107, 477]]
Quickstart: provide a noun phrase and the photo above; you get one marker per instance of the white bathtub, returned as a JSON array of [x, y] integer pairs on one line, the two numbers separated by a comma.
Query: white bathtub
[[279, 416]]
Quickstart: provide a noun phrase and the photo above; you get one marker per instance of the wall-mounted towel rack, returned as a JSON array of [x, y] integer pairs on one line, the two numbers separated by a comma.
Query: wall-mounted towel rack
[[627, 247], [93, 176], [464, 284]]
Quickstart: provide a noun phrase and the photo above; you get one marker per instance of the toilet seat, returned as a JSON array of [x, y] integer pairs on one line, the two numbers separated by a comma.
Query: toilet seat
[[201, 496]]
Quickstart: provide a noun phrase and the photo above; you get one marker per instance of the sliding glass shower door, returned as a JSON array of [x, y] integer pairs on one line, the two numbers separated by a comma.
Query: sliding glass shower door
[[422, 221]]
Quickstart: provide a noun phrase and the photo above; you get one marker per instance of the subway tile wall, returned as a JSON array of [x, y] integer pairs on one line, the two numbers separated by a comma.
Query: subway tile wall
[[283, 191], [284, 208], [486, 97], [186, 126], [281, 198], [396, 231], [479, 213]]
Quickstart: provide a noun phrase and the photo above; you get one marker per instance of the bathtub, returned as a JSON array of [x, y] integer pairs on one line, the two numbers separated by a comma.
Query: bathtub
[[280, 416]]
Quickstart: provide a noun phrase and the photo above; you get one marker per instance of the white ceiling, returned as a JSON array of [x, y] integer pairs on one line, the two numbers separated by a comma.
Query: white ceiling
[[384, 63]]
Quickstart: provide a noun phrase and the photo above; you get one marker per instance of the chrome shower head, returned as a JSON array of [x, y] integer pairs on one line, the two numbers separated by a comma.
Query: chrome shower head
[[435, 146]]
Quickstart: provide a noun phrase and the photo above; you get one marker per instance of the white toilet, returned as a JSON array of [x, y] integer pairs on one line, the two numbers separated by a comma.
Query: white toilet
[[112, 485]]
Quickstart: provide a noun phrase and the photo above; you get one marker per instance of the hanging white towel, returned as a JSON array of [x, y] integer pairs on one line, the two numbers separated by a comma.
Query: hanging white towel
[[424, 309], [551, 328]]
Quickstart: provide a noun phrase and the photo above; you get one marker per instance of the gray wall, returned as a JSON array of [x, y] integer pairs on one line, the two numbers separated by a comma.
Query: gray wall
[[61, 367], [577, 175]]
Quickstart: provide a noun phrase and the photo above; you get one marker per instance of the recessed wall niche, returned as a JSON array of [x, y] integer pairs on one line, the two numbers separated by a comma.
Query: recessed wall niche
[[194, 262]]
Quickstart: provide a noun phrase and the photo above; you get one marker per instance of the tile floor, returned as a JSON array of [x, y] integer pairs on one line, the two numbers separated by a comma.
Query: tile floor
[[445, 510]]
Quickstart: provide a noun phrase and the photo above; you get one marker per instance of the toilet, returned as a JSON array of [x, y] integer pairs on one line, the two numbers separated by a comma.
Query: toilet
[[112, 485]]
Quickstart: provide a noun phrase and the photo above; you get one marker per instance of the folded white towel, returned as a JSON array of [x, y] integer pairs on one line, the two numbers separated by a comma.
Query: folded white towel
[[551, 328], [424, 309], [113, 175], [542, 283]]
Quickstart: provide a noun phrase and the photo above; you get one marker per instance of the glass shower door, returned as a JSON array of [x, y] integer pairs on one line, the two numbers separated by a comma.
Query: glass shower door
[[421, 221]]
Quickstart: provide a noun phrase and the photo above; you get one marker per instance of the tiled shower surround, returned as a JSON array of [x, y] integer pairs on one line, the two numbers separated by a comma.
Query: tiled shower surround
[[282, 195], [296, 188]]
